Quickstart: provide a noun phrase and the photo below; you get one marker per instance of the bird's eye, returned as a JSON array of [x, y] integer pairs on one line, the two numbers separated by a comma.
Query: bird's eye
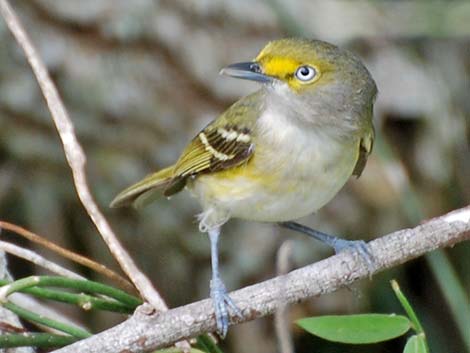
[[305, 73]]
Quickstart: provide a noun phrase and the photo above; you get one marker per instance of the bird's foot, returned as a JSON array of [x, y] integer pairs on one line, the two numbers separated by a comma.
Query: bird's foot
[[359, 246], [222, 303]]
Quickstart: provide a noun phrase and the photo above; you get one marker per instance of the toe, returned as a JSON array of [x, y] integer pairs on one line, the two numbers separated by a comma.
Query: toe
[[365, 254], [360, 247], [221, 315], [232, 305], [221, 319], [222, 304]]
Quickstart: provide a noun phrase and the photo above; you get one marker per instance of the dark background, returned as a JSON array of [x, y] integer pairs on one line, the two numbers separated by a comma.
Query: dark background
[[140, 78]]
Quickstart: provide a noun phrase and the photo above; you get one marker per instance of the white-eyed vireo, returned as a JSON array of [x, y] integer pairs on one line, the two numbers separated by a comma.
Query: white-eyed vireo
[[278, 154]]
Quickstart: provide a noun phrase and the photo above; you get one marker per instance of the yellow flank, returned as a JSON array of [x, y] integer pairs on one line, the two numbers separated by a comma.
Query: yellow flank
[[239, 181]]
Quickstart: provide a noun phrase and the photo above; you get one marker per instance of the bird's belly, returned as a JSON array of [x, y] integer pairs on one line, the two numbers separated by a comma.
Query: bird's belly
[[290, 201], [292, 187]]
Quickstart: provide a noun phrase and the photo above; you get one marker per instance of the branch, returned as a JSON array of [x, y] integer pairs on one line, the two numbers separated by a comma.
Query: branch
[[76, 160], [282, 320], [146, 331], [79, 259], [37, 259]]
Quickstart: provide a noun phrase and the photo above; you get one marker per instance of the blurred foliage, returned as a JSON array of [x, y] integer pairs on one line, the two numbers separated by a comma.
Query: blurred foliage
[[140, 79]]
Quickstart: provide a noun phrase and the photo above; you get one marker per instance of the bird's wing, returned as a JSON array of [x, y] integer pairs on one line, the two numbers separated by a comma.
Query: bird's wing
[[225, 143], [365, 148]]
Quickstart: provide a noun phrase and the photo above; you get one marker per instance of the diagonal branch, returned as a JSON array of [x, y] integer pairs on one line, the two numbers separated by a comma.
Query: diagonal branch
[[37, 259], [145, 332], [76, 160], [77, 258]]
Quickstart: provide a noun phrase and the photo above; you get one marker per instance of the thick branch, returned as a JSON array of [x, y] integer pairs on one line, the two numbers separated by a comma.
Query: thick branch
[[76, 159], [144, 332]]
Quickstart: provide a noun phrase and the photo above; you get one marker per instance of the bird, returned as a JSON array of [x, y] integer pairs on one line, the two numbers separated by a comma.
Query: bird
[[277, 154]]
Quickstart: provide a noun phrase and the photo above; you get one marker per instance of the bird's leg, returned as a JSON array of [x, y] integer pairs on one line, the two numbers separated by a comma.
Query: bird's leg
[[221, 300], [336, 243]]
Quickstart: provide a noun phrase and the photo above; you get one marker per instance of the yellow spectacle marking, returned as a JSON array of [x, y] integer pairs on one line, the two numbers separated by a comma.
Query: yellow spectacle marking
[[284, 68], [280, 67]]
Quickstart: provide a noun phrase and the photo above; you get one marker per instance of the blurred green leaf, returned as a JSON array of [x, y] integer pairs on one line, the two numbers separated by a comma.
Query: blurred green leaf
[[454, 292], [78, 284], [43, 340], [83, 300], [207, 344], [357, 329], [416, 344], [41, 319]]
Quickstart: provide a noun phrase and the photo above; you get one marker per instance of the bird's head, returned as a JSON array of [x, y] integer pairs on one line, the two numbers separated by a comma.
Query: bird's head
[[320, 76]]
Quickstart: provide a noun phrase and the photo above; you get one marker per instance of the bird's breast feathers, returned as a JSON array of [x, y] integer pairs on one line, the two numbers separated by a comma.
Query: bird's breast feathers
[[293, 172]]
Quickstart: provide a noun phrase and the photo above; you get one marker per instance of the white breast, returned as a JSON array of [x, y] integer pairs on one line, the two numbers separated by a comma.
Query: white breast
[[312, 164], [303, 170]]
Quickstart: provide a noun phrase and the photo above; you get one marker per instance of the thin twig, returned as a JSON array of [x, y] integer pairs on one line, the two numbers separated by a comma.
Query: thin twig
[[37, 259], [79, 259], [281, 316], [76, 160], [144, 332]]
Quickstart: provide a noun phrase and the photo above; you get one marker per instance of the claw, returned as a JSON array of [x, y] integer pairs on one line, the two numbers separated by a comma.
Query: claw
[[338, 244], [359, 246], [222, 302]]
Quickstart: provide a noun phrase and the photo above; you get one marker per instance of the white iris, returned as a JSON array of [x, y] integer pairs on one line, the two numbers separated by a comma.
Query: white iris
[[305, 73]]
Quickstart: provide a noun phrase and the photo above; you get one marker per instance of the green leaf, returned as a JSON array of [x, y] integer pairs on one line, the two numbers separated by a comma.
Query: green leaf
[[407, 306], [416, 344], [356, 329]]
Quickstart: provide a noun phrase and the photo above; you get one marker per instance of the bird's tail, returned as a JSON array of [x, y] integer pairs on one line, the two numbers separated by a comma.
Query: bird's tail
[[139, 193]]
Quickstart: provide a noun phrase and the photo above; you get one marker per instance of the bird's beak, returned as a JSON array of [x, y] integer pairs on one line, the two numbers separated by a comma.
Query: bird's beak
[[246, 71]]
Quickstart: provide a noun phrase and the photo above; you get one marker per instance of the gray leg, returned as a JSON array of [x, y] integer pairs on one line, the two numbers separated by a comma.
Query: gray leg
[[219, 295], [336, 243]]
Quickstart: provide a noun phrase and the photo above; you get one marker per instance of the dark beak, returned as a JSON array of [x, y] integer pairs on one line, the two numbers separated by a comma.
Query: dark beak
[[246, 71]]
